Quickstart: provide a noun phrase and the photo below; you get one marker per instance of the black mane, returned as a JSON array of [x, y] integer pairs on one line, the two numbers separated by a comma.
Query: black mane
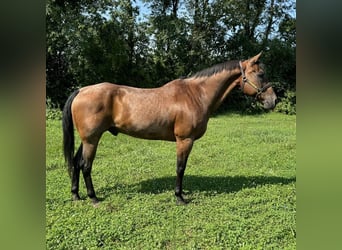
[[229, 65]]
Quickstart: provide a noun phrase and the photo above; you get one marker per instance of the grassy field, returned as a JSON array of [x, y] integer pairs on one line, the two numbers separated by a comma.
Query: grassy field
[[240, 180]]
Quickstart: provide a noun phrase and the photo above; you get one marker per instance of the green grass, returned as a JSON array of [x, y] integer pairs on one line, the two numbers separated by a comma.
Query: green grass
[[240, 181]]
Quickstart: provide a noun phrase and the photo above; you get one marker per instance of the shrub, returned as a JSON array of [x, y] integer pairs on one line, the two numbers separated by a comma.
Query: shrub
[[287, 104], [52, 112]]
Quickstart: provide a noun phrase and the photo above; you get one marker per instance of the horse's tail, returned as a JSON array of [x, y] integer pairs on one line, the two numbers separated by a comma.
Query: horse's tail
[[68, 132]]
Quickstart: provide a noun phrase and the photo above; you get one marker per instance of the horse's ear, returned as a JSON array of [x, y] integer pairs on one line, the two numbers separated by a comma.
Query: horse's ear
[[254, 59]]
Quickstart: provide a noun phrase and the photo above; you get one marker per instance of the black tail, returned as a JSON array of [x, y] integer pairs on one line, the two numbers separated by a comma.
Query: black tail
[[68, 132]]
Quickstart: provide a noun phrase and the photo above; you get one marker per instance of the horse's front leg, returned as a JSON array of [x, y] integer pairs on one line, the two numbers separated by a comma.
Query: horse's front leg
[[184, 147]]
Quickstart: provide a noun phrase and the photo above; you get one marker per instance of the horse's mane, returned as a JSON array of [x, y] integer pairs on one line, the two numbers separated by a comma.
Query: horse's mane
[[229, 65]]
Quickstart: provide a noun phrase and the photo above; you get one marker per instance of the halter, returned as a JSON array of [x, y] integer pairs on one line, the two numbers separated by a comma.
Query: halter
[[245, 80]]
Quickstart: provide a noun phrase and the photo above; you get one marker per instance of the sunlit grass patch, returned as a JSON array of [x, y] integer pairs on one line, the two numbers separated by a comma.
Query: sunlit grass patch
[[240, 180]]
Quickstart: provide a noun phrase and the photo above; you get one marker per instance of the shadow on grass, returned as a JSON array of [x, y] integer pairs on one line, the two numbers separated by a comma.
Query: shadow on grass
[[210, 184], [191, 183]]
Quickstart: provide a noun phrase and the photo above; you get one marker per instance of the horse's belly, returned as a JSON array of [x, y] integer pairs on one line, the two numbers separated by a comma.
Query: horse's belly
[[148, 122], [149, 131]]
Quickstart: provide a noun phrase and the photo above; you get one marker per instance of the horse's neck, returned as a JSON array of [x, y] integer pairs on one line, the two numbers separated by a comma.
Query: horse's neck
[[218, 86]]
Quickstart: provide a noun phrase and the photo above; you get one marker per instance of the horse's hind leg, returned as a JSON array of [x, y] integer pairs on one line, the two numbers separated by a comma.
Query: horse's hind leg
[[75, 174], [88, 154]]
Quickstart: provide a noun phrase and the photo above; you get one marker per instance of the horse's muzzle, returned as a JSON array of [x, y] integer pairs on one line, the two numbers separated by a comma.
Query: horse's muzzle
[[269, 104]]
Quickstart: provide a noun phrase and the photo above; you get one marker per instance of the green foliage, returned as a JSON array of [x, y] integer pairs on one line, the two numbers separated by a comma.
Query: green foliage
[[280, 62], [287, 104], [95, 41], [51, 111], [240, 181]]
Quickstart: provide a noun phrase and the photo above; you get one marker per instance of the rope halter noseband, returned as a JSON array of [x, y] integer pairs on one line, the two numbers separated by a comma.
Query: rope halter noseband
[[245, 80]]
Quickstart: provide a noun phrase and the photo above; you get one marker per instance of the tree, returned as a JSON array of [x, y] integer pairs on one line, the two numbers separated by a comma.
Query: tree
[[88, 42], [104, 40]]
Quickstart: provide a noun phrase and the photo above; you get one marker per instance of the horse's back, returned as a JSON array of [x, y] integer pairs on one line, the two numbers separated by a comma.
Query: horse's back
[[138, 112], [144, 113]]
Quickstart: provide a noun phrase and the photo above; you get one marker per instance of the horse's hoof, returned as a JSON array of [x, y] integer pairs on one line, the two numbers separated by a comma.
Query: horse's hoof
[[95, 201], [180, 201], [96, 204], [76, 197]]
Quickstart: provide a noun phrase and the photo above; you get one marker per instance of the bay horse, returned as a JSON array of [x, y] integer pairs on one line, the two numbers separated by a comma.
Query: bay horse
[[177, 111]]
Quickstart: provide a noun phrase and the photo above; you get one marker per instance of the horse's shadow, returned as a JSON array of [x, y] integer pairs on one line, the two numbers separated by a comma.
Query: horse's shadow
[[211, 184], [208, 185]]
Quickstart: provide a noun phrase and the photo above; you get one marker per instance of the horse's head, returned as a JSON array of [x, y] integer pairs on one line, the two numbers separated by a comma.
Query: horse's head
[[253, 82]]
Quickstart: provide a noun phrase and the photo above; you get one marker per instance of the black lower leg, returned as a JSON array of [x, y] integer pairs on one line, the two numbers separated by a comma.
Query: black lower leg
[[75, 183], [86, 170], [179, 181], [75, 174]]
